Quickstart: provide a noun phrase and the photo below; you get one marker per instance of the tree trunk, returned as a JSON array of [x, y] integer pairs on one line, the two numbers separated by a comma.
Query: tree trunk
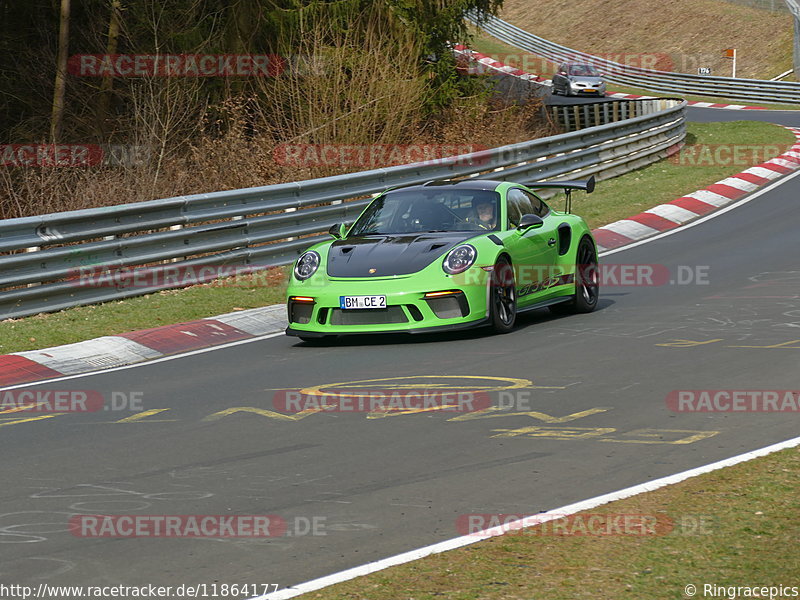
[[57, 117], [107, 84]]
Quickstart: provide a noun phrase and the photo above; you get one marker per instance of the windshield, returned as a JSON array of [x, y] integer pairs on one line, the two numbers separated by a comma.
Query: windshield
[[584, 71], [430, 209]]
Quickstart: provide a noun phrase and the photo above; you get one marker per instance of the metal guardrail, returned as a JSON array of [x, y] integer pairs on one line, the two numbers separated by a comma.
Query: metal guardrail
[[572, 117], [41, 257], [755, 90], [770, 5]]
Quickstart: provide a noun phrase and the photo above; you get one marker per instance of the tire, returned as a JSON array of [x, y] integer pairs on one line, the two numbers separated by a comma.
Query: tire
[[502, 297], [587, 286]]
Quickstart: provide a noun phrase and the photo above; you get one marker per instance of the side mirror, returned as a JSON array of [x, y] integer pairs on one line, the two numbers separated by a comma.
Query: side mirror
[[337, 230], [529, 222]]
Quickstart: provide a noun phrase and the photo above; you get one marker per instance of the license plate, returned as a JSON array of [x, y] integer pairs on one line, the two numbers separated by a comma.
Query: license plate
[[348, 302], [589, 90]]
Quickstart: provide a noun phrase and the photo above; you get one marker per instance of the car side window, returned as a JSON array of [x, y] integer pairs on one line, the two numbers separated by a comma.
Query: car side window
[[518, 204], [540, 209]]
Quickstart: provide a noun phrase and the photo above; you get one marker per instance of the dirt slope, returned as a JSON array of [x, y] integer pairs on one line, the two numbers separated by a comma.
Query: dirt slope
[[691, 33]]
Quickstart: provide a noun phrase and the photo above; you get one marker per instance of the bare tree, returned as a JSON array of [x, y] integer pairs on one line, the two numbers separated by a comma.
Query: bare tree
[[108, 80], [57, 117]]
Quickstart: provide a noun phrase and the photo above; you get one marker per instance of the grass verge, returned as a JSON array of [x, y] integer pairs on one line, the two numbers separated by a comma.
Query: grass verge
[[162, 308], [734, 527], [612, 200], [682, 173]]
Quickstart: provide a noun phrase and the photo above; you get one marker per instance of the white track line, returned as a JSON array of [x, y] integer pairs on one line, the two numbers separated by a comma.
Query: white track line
[[570, 509]]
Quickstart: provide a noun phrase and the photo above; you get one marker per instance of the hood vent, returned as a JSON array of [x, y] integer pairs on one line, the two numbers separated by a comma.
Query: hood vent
[[390, 255]]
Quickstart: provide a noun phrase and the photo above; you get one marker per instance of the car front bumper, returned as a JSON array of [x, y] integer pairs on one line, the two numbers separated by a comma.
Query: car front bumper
[[315, 311]]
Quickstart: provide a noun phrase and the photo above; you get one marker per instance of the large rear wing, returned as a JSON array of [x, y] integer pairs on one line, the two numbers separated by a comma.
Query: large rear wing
[[587, 185]]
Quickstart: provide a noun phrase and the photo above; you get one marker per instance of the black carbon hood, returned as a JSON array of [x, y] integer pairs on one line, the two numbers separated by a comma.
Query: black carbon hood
[[387, 255]]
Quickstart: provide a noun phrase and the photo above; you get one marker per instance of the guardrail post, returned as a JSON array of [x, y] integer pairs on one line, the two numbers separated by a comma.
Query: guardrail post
[[33, 249], [289, 210], [175, 228]]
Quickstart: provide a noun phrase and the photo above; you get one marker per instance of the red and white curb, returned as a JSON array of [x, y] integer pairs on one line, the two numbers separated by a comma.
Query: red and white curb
[[487, 63], [623, 96], [673, 214], [138, 346]]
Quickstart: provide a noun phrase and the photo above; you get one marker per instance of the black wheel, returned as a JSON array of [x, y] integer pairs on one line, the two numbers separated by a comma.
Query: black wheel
[[587, 282], [503, 297]]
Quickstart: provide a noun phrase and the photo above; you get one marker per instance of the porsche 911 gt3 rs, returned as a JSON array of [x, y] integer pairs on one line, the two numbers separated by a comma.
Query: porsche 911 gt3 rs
[[445, 255]]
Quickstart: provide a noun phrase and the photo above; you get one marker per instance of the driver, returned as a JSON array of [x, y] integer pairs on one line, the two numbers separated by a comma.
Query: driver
[[486, 216]]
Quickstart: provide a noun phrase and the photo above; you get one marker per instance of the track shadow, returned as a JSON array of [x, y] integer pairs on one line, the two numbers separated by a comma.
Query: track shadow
[[524, 322]]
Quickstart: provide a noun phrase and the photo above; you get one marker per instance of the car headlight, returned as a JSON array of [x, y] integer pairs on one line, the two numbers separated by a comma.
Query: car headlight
[[459, 259], [306, 265]]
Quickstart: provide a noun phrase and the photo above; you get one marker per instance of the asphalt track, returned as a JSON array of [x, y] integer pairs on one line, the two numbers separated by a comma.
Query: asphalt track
[[597, 421]]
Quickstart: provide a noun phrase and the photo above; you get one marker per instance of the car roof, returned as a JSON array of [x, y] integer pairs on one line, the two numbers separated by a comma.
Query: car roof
[[464, 184]]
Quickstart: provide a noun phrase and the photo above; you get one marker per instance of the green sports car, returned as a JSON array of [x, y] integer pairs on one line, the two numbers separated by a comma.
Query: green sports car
[[442, 256]]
